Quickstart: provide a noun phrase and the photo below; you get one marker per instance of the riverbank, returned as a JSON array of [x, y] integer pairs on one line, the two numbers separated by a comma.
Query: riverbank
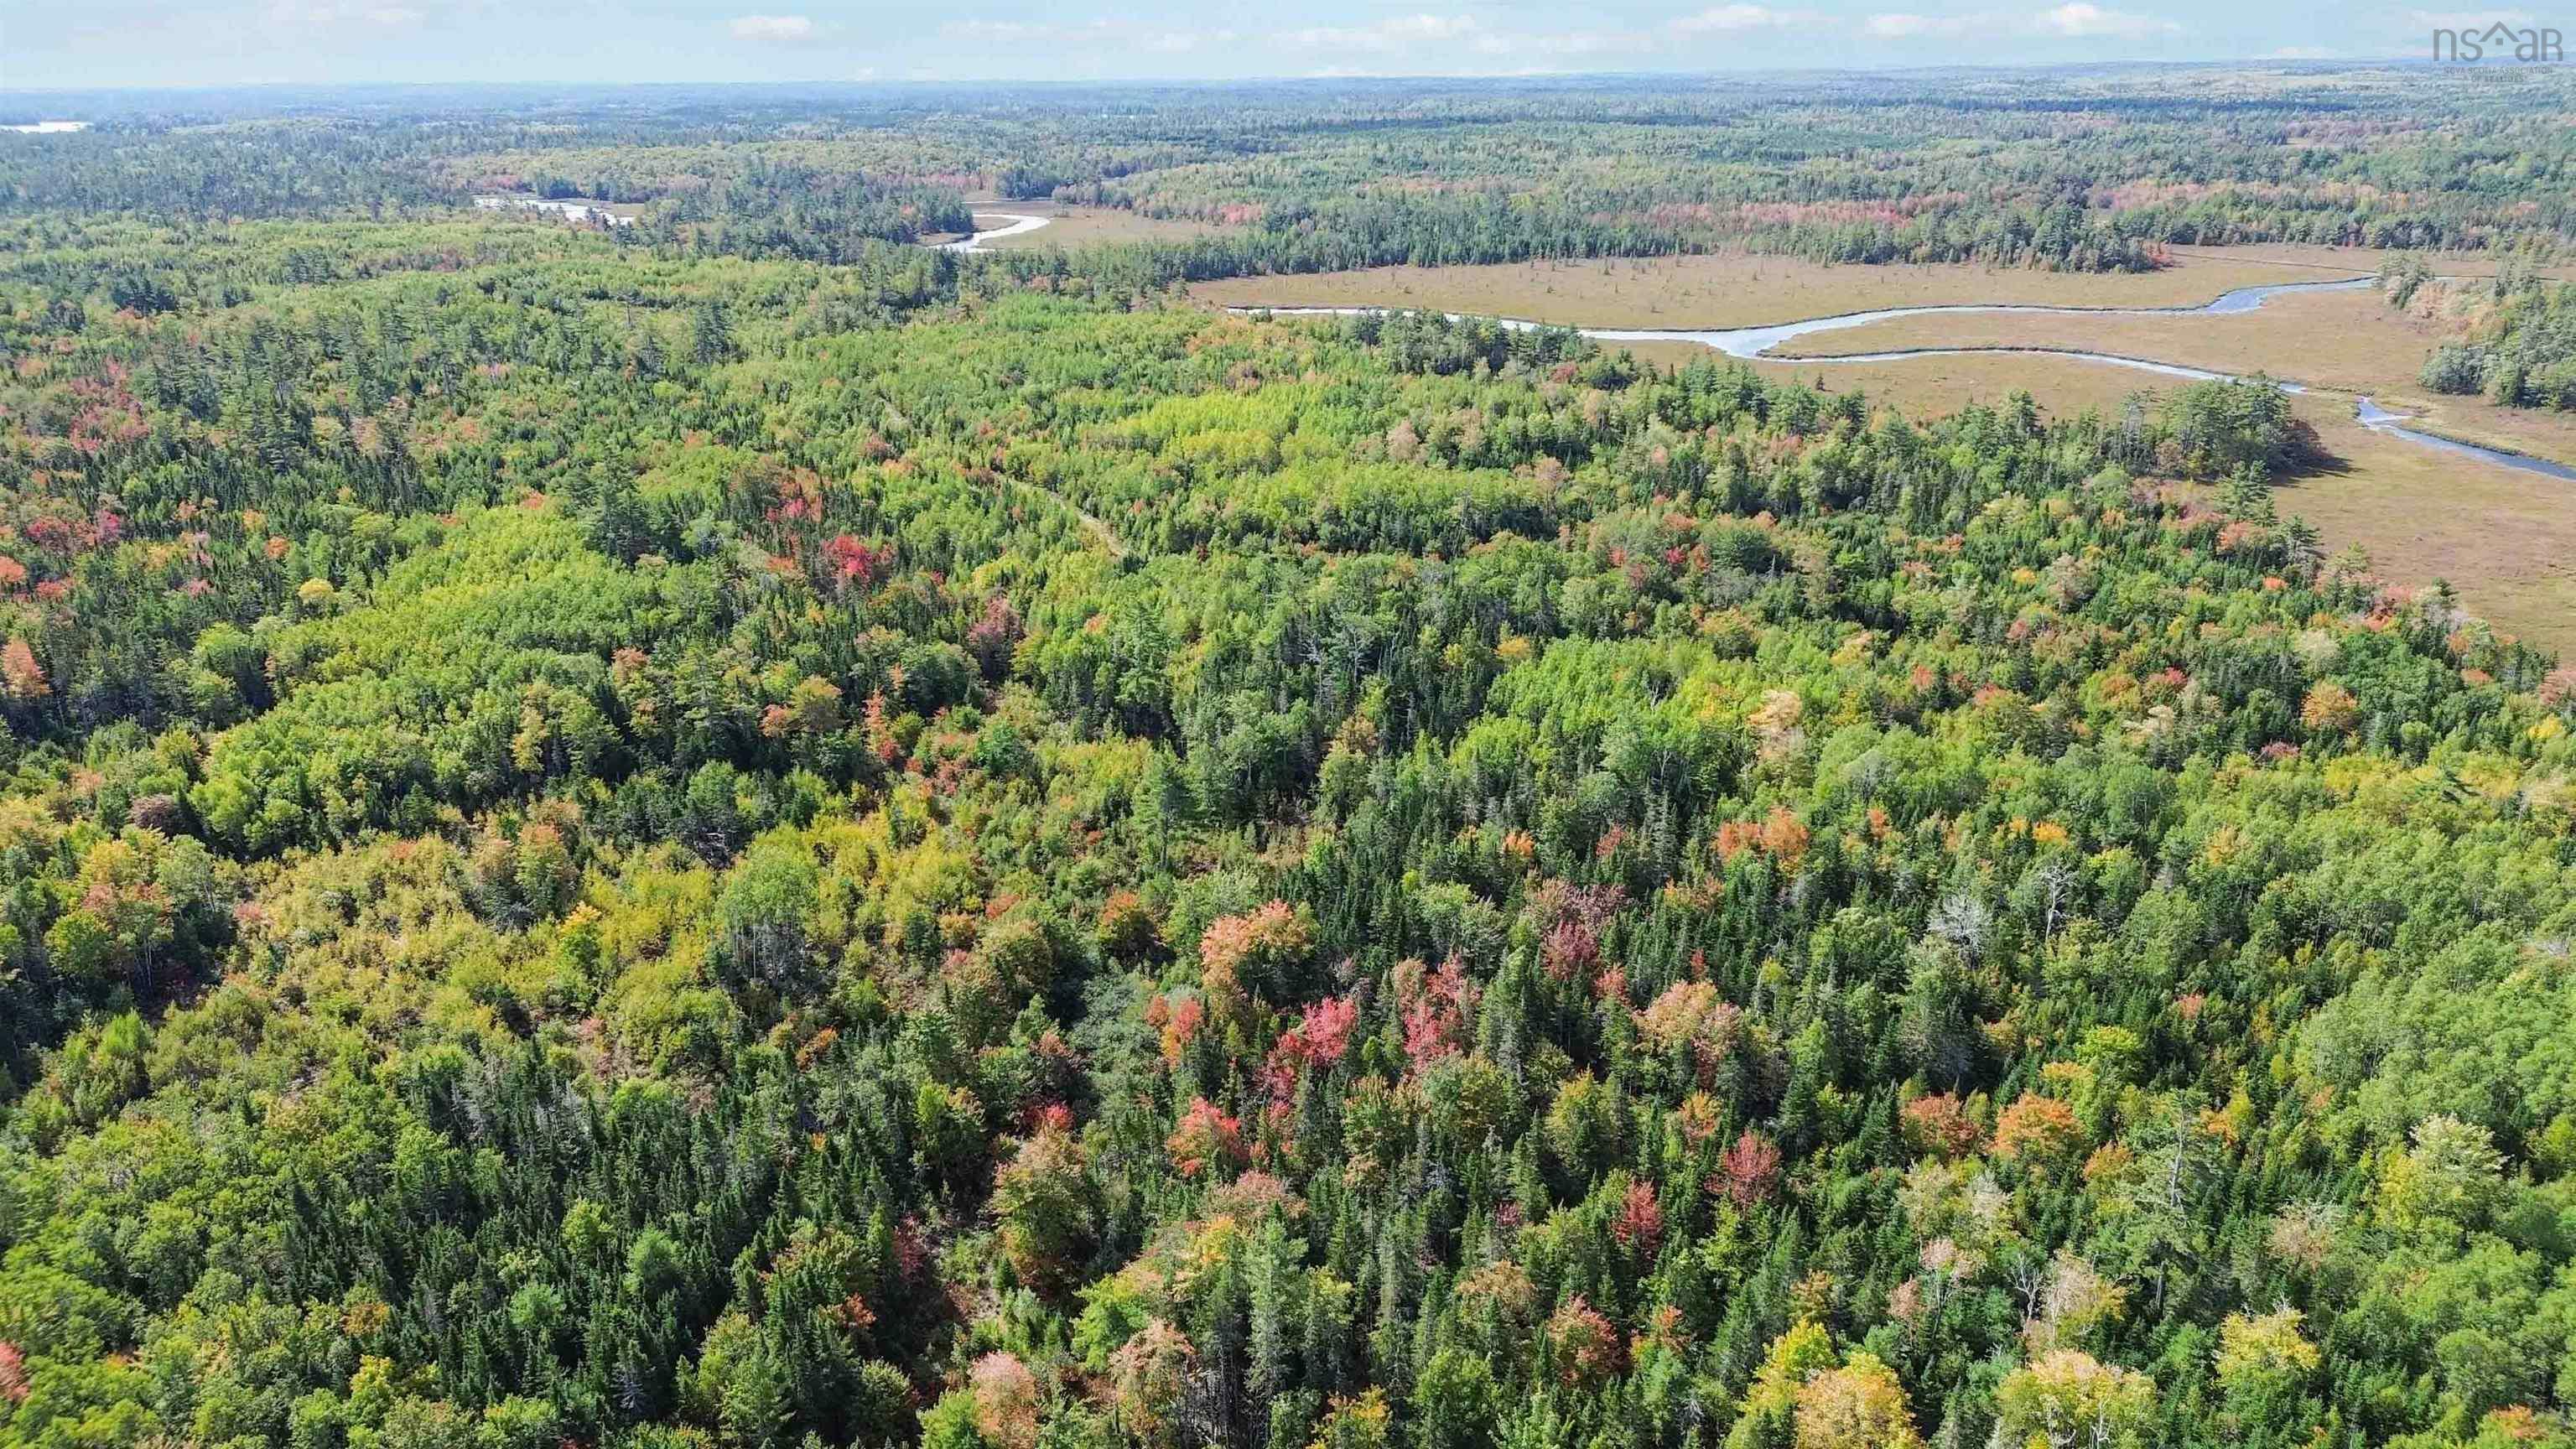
[[2505, 538], [2342, 341], [2427, 504], [1733, 290], [2169, 340], [1071, 227], [1012, 224]]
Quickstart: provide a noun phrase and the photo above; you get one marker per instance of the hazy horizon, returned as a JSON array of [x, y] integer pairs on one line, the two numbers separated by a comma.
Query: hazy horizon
[[220, 44]]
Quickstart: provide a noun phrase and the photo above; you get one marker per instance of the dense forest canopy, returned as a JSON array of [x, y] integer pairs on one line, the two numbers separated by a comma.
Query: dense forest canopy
[[2084, 170], [2515, 334], [741, 833]]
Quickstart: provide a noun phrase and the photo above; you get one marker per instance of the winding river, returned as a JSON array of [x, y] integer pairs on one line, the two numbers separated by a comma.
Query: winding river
[[1013, 224], [1749, 343]]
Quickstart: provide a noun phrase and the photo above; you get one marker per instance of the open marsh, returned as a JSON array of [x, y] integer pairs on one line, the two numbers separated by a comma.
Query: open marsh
[[1738, 290]]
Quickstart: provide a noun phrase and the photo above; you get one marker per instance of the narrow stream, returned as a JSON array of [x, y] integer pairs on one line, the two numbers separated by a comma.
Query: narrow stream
[[1014, 224], [1749, 343], [2380, 419]]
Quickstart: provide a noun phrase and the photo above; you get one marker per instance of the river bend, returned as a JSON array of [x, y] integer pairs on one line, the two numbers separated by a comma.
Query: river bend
[[1750, 343]]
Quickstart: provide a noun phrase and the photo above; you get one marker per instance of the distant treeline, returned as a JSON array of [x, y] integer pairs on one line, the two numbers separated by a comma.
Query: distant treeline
[[2093, 173]]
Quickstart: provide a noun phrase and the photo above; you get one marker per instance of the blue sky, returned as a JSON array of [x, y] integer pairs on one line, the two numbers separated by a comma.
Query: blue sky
[[90, 43]]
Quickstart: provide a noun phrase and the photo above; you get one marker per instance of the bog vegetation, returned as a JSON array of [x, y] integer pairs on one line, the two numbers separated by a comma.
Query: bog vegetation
[[748, 835]]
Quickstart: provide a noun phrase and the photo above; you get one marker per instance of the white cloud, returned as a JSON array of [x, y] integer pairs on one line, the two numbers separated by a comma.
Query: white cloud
[[1434, 44], [1899, 26], [776, 29], [2303, 52], [1577, 42], [2078, 19], [338, 14], [2464, 20], [1090, 37], [2081, 18], [1425, 42], [1182, 42], [1400, 33], [997, 32], [1740, 17], [1559, 43]]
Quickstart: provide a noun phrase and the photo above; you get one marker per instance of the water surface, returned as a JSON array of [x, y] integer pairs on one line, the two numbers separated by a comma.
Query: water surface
[[1014, 225], [1750, 343]]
